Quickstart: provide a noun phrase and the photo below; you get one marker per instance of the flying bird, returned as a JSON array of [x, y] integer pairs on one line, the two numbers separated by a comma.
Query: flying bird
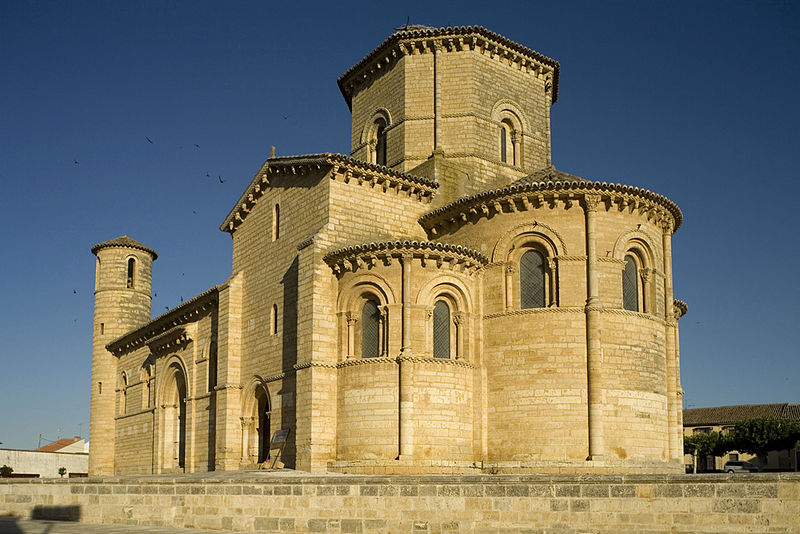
[[76, 162], [221, 180], [74, 292], [196, 145], [148, 140]]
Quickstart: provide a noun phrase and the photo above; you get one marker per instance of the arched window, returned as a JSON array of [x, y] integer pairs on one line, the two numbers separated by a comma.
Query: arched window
[[630, 284], [380, 141], [276, 222], [370, 330], [532, 280], [131, 273], [441, 330], [506, 142]]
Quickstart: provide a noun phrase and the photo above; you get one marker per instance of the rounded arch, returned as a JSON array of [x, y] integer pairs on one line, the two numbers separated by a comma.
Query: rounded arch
[[351, 293], [369, 130], [508, 109], [638, 260], [173, 397], [256, 413], [448, 286], [173, 367], [536, 232], [642, 243]]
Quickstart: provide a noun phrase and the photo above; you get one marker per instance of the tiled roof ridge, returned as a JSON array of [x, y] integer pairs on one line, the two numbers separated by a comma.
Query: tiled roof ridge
[[738, 412], [421, 32], [405, 244], [124, 241], [579, 184], [58, 444], [319, 159]]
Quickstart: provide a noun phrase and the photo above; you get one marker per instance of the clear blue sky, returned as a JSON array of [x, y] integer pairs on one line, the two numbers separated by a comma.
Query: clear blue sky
[[694, 100]]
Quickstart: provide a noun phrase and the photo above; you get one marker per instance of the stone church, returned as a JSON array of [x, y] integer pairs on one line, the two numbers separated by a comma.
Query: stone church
[[442, 300]]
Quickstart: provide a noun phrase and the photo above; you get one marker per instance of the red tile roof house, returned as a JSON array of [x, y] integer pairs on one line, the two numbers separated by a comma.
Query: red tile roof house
[[70, 453], [723, 419]]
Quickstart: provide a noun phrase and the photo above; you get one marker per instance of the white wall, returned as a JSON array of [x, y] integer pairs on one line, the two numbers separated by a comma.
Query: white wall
[[46, 464]]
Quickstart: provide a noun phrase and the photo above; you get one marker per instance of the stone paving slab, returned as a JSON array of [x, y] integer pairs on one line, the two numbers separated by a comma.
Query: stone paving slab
[[12, 525]]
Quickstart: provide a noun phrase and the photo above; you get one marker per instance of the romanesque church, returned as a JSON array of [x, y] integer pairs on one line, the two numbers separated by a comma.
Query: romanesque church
[[442, 300]]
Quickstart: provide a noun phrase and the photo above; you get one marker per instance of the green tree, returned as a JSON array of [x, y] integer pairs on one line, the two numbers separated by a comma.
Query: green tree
[[62, 471], [6, 470], [701, 445], [761, 435]]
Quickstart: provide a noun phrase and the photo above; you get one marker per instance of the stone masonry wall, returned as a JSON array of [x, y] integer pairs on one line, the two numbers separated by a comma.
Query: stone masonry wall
[[285, 502]]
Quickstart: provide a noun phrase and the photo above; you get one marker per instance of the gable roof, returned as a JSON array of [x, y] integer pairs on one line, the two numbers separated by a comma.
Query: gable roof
[[124, 242], [307, 163], [58, 445], [514, 50], [724, 415]]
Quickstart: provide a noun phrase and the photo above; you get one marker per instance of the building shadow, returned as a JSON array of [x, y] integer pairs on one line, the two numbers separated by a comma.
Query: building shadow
[[288, 393], [56, 513]]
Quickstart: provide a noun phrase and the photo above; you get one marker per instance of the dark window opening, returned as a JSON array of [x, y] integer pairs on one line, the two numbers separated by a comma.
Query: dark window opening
[[441, 330], [370, 333], [531, 280], [630, 285], [131, 271], [380, 144]]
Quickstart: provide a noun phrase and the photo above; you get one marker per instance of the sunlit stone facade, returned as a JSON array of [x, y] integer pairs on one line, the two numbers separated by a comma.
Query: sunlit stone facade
[[442, 300]]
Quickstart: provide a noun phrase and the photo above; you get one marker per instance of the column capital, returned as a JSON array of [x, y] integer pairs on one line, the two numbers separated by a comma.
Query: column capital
[[591, 201]]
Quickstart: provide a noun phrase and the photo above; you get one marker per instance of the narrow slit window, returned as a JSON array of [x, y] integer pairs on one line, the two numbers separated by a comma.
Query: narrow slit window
[[370, 330], [131, 273], [531, 280], [441, 330], [503, 144], [276, 222], [630, 285], [274, 319]]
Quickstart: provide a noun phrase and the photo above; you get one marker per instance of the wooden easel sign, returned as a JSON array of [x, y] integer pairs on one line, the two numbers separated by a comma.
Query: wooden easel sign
[[278, 442]]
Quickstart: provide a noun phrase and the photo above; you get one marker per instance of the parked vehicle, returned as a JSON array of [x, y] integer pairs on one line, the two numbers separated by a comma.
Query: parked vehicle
[[740, 467]]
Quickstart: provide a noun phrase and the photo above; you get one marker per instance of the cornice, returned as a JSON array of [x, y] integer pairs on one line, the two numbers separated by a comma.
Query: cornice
[[532, 195], [166, 323], [449, 38], [368, 254], [170, 340], [344, 168]]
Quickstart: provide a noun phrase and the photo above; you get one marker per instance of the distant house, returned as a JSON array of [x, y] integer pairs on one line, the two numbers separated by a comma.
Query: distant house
[[70, 453], [724, 418], [75, 444]]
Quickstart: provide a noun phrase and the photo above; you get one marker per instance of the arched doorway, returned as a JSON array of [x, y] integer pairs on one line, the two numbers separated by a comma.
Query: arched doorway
[[262, 420], [174, 419]]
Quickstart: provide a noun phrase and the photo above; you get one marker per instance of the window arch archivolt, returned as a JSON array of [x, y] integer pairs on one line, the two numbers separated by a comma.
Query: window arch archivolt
[[369, 131], [351, 293], [642, 243], [454, 293], [353, 298], [507, 109], [535, 231], [509, 252], [637, 244]]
